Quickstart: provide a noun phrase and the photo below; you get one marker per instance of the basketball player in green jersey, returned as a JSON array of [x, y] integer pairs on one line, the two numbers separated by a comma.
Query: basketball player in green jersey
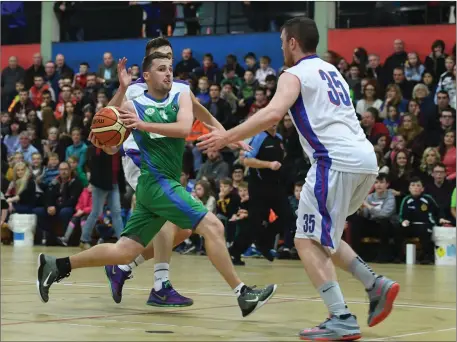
[[162, 294], [160, 121]]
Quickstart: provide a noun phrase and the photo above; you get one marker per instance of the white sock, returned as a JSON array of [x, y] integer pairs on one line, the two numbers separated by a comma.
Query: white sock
[[137, 262], [238, 289], [161, 274]]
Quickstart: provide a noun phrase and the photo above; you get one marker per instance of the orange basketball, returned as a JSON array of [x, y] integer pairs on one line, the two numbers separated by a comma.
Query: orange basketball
[[108, 127]]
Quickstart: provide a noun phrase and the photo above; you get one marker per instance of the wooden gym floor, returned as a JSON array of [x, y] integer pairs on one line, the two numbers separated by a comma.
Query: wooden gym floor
[[81, 308]]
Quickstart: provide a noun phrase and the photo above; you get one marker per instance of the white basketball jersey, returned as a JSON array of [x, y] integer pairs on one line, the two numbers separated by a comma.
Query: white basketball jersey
[[137, 89], [326, 121]]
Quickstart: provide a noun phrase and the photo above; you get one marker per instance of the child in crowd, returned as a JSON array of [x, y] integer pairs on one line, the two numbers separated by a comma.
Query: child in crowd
[[227, 206], [202, 92], [393, 120], [83, 209], [419, 213], [264, 70], [293, 200], [73, 161], [51, 171], [243, 229], [37, 165]]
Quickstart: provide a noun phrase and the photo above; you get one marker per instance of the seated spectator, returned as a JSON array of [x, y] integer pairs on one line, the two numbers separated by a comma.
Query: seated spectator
[[11, 140], [425, 110], [70, 120], [102, 100], [91, 90], [209, 69], [448, 152], [25, 146], [51, 171], [19, 87], [419, 213], [413, 68], [5, 124], [62, 68], [430, 158], [188, 184], [83, 209], [218, 107], [250, 84], [60, 198], [374, 218], [17, 157], [435, 62], [260, 102], [383, 168], [50, 145], [429, 80], [264, 70], [21, 191], [4, 214], [441, 190], [23, 106], [231, 77], [380, 142], [446, 81], [135, 71], [228, 95], [399, 176], [73, 161], [202, 91], [446, 122], [47, 102], [37, 166], [414, 135], [204, 194], [227, 205], [88, 115], [36, 92], [394, 98], [251, 62], [370, 126], [187, 64], [369, 98], [354, 77], [232, 61], [405, 85], [343, 68], [237, 175], [271, 85], [65, 96], [214, 167], [453, 204], [78, 149], [393, 120], [80, 79]]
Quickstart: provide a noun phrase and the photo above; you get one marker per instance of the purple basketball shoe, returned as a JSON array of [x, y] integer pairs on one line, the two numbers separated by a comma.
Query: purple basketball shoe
[[117, 278], [168, 297]]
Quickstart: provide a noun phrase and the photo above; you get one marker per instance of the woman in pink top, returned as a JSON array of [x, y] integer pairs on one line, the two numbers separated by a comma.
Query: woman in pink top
[[447, 150]]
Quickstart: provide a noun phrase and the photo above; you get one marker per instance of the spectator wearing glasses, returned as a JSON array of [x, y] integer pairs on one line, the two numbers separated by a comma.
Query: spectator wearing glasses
[[370, 98], [441, 190], [446, 122]]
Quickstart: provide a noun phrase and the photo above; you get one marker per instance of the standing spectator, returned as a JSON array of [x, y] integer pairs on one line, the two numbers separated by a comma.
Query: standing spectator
[[67, 13], [370, 126], [25, 146], [441, 190], [448, 152], [36, 92], [190, 11], [264, 70], [69, 120], [209, 69], [107, 72], [23, 106], [260, 102], [78, 149], [187, 64], [51, 77], [232, 61], [369, 99], [374, 219], [251, 62], [405, 86], [10, 75], [60, 199], [83, 209], [36, 69], [107, 186], [214, 167], [202, 91], [435, 61], [446, 81], [430, 159], [396, 60], [80, 79], [413, 68], [21, 191], [62, 68], [218, 107], [11, 141], [395, 98]]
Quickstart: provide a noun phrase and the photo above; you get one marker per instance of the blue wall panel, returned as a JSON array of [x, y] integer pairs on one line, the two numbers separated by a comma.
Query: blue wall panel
[[220, 46]]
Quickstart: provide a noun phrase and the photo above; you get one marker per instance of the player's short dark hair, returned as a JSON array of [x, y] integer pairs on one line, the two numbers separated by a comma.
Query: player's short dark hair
[[304, 30], [155, 44], [147, 61], [415, 180], [226, 181], [383, 177]]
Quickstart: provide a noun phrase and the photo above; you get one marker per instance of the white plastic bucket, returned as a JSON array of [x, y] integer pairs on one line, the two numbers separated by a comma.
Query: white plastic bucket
[[23, 227], [445, 245]]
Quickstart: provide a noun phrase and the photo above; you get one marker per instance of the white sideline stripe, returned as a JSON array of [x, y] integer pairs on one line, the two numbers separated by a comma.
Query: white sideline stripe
[[411, 334], [304, 299]]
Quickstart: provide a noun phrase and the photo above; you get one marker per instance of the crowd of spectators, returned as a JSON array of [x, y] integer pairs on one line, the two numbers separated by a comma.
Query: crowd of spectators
[[406, 107]]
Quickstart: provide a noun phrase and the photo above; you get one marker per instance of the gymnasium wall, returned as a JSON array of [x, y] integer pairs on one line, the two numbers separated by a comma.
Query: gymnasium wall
[[343, 41]]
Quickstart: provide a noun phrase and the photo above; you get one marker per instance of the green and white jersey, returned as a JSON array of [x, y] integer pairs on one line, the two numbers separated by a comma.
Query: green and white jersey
[[161, 156]]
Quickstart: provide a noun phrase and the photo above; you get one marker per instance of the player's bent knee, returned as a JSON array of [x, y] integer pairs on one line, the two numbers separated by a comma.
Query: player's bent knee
[[210, 226], [128, 249]]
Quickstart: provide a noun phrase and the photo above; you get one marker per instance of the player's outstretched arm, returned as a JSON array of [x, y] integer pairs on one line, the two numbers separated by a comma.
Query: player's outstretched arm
[[179, 129], [125, 78], [286, 94]]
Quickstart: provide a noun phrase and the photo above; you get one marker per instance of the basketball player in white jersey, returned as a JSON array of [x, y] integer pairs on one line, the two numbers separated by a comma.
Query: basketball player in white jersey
[[162, 294], [343, 171]]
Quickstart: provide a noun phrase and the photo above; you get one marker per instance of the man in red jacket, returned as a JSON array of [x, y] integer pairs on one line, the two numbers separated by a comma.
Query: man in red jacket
[[370, 126], [36, 92]]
